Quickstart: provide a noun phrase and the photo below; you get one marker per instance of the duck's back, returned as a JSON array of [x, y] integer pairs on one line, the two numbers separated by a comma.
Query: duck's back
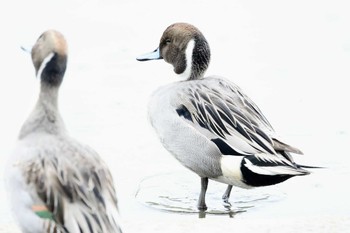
[[198, 96]]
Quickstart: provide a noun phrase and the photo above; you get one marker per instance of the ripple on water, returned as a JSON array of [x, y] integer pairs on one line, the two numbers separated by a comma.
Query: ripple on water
[[179, 191]]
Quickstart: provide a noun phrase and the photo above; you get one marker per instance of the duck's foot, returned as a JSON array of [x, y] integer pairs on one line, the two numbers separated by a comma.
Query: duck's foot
[[226, 197], [202, 207], [226, 204]]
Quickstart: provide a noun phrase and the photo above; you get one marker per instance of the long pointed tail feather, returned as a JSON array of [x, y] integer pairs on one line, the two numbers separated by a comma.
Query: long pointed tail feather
[[311, 167]]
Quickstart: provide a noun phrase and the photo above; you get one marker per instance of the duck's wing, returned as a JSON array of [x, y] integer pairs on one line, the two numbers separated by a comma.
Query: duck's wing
[[76, 190], [224, 114]]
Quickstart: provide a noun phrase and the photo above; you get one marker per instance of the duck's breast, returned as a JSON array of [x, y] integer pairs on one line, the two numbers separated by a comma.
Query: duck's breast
[[179, 137]]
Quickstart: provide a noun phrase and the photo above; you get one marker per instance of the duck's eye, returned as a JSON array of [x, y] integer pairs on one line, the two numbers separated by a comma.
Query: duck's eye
[[167, 41]]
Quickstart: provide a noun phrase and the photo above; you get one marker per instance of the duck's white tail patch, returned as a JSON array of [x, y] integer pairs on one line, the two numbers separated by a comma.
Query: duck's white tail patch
[[231, 171]]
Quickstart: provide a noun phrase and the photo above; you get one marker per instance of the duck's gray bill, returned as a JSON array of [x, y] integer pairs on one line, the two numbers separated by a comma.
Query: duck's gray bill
[[155, 55], [27, 48]]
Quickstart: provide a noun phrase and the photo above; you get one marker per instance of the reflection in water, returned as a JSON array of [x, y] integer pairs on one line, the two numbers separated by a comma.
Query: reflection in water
[[178, 192]]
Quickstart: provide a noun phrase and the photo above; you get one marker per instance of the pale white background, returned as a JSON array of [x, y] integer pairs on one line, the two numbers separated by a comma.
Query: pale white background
[[291, 57]]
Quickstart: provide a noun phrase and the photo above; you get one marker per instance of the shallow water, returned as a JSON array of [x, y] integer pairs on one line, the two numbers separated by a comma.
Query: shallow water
[[295, 68], [179, 191]]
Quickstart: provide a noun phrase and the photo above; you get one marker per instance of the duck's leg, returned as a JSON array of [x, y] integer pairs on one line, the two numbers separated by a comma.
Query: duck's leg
[[226, 196], [201, 202]]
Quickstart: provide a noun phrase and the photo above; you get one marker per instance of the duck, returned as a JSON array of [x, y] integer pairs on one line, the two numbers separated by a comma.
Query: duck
[[210, 125], [55, 183]]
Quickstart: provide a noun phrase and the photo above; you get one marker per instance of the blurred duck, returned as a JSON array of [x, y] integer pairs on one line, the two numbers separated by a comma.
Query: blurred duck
[[210, 125], [57, 184]]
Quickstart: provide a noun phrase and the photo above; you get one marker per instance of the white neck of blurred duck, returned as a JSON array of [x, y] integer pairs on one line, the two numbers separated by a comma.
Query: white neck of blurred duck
[[186, 75]]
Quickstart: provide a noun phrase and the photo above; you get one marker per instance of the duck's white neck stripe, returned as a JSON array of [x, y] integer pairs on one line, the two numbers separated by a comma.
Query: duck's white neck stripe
[[43, 64], [189, 52]]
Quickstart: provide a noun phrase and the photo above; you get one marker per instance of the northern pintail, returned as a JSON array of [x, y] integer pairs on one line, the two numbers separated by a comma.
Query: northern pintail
[[210, 125], [55, 183]]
